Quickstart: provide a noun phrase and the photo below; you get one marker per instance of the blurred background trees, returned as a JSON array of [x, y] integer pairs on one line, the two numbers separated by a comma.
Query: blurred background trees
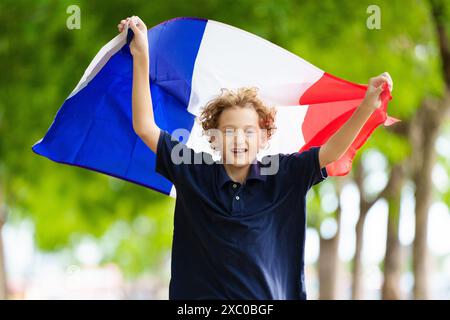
[[42, 60]]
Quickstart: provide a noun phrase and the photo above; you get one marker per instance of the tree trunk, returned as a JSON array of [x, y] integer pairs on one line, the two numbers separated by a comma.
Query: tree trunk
[[3, 286], [357, 282], [392, 260], [328, 264], [424, 131], [364, 207]]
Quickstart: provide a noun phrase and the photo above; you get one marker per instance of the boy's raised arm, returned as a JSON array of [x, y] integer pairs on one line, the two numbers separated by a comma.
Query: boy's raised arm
[[342, 139], [143, 120]]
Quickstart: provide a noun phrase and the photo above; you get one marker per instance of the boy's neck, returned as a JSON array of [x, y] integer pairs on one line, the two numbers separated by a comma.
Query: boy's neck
[[237, 173]]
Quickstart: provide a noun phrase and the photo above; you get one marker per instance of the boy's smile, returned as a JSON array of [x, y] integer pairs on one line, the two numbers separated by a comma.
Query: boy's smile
[[239, 151], [240, 135]]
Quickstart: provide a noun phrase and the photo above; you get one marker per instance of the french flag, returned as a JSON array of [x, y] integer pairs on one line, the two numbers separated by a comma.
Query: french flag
[[191, 59]]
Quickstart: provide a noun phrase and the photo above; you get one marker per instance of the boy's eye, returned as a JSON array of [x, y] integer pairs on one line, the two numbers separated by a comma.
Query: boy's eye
[[250, 132], [229, 132]]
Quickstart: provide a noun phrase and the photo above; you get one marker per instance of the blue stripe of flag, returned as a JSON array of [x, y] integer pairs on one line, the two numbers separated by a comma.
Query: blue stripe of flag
[[93, 129]]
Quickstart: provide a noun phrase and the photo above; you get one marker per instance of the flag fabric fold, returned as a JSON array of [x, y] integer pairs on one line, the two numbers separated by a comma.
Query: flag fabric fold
[[191, 59]]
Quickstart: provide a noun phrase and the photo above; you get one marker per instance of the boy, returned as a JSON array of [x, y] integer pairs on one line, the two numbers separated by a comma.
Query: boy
[[238, 233]]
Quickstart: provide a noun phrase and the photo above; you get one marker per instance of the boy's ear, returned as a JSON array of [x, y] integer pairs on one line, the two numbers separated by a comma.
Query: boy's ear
[[213, 143]]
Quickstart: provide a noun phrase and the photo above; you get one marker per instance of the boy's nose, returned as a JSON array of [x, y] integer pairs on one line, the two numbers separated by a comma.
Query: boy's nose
[[239, 136]]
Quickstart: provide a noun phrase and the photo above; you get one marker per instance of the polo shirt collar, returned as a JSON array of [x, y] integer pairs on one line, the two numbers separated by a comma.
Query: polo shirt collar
[[253, 174]]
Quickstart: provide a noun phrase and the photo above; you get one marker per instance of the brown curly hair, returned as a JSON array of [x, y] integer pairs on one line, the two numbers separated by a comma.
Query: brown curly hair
[[242, 97]]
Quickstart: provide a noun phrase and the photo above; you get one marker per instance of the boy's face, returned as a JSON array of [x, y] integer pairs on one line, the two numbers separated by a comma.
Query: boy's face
[[240, 135]]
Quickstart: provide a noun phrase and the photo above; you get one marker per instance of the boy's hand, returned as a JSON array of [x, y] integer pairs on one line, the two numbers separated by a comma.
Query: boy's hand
[[372, 100], [342, 139], [139, 44]]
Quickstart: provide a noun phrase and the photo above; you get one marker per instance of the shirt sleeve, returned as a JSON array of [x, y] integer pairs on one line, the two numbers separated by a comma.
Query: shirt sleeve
[[172, 157], [305, 167]]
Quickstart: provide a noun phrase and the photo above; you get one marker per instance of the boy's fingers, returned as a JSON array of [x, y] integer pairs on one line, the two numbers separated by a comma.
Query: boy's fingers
[[390, 82], [122, 24], [134, 22], [139, 23], [379, 80], [379, 89], [387, 76], [133, 26]]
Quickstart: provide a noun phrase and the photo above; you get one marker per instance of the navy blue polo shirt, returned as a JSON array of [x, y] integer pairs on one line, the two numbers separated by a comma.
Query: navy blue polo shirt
[[233, 240]]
